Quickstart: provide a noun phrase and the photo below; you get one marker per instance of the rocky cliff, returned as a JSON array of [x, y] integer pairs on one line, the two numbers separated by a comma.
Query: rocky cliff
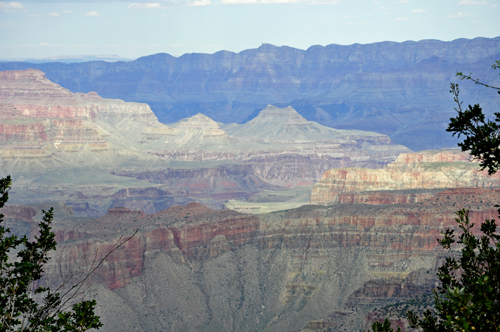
[[398, 89], [281, 146], [44, 124], [422, 170], [195, 269]]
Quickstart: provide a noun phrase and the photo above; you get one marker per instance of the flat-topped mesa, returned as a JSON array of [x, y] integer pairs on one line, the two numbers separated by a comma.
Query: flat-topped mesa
[[17, 75], [290, 115], [35, 96], [30, 86], [433, 156], [422, 170]]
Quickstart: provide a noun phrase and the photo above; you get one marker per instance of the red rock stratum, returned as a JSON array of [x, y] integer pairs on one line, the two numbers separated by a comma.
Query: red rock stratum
[[421, 170], [194, 268]]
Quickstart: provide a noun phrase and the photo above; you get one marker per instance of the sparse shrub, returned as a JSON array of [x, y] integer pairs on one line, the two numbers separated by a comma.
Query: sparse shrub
[[468, 298], [27, 307]]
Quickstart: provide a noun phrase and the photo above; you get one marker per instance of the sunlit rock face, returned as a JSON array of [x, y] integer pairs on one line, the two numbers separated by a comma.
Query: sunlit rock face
[[192, 268], [422, 170], [40, 119], [35, 111], [280, 145]]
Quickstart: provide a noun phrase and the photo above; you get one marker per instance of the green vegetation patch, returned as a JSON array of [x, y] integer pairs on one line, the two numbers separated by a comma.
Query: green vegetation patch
[[272, 200], [398, 310], [444, 165]]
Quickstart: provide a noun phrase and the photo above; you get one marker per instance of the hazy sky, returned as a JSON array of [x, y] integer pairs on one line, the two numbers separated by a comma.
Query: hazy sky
[[35, 28]]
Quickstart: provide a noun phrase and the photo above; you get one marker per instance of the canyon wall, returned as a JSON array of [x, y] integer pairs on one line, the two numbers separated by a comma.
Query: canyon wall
[[421, 170], [191, 268], [87, 151]]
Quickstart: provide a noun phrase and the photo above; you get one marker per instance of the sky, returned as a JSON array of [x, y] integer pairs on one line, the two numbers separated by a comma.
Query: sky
[[37, 29]]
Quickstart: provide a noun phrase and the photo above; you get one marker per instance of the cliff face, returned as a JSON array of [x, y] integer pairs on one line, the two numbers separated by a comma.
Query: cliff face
[[423, 170], [195, 269], [398, 89], [39, 115], [281, 146]]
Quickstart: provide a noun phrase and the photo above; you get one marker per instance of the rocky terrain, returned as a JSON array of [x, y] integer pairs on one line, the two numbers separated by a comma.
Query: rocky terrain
[[422, 170], [397, 89], [313, 268], [364, 245], [368, 238], [94, 153], [193, 268]]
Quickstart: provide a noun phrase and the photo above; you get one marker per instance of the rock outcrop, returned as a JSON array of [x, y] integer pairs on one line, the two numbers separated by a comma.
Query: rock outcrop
[[281, 146], [47, 124], [421, 170]]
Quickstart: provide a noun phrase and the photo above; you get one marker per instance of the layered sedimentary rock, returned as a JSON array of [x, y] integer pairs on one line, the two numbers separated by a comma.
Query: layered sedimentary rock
[[103, 145], [29, 96], [195, 269], [422, 170], [398, 89], [53, 126], [281, 146]]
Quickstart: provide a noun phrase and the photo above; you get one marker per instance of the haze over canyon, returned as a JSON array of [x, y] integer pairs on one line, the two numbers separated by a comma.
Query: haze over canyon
[[274, 189], [396, 89]]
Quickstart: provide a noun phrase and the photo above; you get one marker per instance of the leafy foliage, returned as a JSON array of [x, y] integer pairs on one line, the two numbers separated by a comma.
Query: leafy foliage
[[19, 311], [468, 298], [482, 136], [384, 327]]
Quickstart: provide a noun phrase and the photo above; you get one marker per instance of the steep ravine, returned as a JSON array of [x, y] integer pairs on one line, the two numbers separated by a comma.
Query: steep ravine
[[195, 269]]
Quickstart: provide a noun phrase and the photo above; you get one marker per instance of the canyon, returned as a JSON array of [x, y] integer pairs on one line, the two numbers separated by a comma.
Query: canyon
[[397, 89], [94, 153], [423, 170], [191, 268], [365, 237], [332, 266]]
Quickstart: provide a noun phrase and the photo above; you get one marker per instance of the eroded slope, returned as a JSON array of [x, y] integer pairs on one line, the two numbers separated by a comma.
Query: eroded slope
[[195, 269]]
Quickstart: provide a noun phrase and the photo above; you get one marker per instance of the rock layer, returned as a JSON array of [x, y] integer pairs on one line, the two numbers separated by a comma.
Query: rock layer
[[197, 269], [423, 170], [46, 130], [398, 89]]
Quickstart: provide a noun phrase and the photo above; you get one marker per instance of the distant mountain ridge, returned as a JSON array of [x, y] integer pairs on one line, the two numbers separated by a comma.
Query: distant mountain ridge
[[397, 89], [70, 59]]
